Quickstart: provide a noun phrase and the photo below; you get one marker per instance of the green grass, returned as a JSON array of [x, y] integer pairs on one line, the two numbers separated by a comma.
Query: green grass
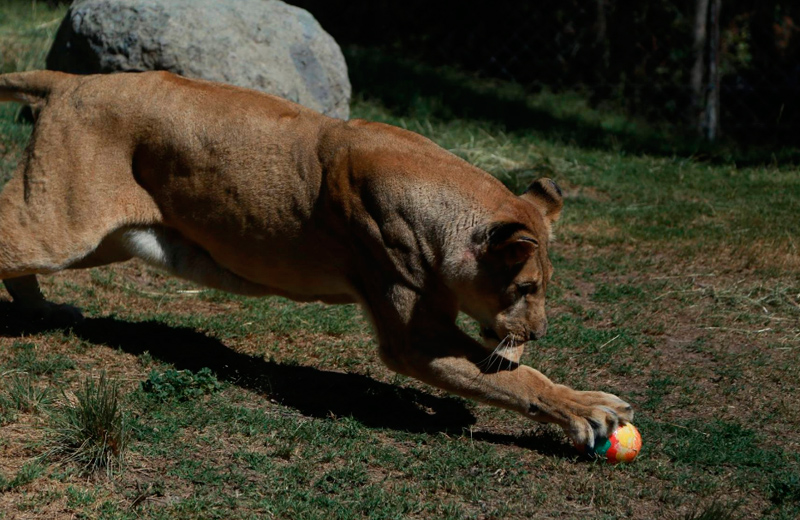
[[89, 430], [27, 359], [27, 474], [677, 286], [22, 393], [26, 29], [179, 384]]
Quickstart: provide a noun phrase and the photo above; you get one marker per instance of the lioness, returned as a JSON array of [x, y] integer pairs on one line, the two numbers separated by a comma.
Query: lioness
[[252, 194]]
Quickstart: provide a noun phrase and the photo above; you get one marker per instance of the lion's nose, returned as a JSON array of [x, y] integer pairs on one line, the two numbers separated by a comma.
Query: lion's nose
[[538, 333]]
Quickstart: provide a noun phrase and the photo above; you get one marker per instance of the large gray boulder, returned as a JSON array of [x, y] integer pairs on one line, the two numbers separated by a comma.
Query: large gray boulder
[[262, 44]]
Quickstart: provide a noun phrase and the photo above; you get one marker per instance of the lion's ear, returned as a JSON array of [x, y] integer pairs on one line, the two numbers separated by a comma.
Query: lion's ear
[[509, 241], [518, 251], [547, 197]]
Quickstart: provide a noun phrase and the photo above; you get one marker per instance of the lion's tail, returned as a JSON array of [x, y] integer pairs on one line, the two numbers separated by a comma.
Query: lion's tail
[[31, 88]]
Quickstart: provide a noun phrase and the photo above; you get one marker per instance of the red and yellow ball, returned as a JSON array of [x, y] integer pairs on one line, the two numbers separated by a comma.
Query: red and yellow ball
[[623, 445]]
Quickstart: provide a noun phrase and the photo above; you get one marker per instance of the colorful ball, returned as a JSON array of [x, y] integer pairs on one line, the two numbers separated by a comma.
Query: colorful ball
[[622, 446]]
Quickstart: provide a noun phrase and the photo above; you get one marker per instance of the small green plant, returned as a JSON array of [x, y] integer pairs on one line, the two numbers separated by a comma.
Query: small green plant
[[145, 359], [785, 489], [7, 415], [23, 395], [26, 474], [90, 429], [715, 511], [7, 410], [181, 385], [27, 359], [77, 497]]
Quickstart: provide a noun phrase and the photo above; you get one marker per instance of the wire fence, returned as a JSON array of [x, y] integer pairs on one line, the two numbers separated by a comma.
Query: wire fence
[[732, 64]]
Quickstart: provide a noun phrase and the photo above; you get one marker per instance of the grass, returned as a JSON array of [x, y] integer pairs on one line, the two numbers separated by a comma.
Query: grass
[[677, 286], [22, 394], [26, 29], [89, 428], [179, 384], [26, 474], [27, 359]]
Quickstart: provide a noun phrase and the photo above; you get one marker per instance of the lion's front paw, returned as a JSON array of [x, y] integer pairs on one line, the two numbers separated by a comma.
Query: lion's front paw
[[595, 415]]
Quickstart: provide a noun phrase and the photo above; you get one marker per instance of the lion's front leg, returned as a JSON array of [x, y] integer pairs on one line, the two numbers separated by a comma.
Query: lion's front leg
[[455, 364]]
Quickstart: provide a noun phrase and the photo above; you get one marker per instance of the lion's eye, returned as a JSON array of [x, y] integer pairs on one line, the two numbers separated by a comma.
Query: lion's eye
[[526, 287]]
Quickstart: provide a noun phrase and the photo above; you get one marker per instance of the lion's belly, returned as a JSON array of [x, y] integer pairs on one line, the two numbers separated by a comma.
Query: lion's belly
[[290, 267], [303, 279], [264, 234]]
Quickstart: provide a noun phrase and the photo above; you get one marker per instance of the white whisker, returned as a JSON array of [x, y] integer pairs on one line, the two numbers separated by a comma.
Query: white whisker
[[496, 355], [487, 363]]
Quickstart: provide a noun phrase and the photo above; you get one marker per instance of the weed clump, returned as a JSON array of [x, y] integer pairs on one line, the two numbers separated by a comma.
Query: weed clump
[[785, 489], [27, 359], [7, 415], [27, 474], [715, 511], [90, 429], [181, 385], [20, 393]]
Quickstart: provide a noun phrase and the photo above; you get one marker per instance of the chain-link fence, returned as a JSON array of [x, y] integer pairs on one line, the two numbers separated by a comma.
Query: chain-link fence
[[732, 64]]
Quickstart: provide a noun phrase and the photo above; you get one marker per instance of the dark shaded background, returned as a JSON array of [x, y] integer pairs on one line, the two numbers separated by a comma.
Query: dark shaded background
[[632, 54]]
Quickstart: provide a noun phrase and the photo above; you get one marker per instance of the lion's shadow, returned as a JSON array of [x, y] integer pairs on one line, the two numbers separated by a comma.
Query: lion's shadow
[[311, 391]]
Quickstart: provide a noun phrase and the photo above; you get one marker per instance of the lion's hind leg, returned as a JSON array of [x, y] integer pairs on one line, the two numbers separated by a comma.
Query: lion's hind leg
[[29, 300], [42, 232], [24, 253], [26, 257]]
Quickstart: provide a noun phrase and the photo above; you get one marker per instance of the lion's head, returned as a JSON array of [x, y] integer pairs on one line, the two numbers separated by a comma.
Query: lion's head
[[511, 269]]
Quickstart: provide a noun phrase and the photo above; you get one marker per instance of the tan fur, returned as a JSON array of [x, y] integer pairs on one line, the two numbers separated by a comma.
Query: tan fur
[[250, 193]]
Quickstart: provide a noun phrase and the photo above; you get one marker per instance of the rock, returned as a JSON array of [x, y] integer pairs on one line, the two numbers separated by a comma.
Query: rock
[[261, 44]]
